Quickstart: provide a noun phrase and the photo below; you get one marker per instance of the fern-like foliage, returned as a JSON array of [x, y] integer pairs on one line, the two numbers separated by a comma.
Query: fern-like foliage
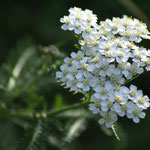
[[34, 138]]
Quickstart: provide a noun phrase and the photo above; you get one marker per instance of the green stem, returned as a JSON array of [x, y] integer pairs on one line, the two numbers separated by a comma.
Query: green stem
[[74, 106], [11, 114], [131, 79]]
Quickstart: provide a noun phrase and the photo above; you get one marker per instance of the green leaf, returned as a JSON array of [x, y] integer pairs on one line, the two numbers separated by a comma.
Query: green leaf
[[76, 128], [34, 137], [114, 129], [19, 66], [107, 131]]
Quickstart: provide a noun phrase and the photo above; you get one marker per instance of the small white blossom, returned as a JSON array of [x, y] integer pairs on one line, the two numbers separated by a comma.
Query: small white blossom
[[133, 69], [108, 118], [63, 73], [95, 106], [142, 101], [122, 109], [135, 114], [103, 92]]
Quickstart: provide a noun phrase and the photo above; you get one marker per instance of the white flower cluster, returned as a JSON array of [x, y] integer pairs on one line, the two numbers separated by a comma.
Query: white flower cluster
[[108, 57]]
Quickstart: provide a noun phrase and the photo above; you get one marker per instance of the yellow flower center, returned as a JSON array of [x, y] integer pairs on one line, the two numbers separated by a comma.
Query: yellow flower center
[[85, 81], [136, 112], [114, 27], [97, 104], [141, 100], [118, 98], [118, 42], [121, 66], [78, 17], [117, 88], [124, 107], [96, 59], [103, 91], [127, 34], [88, 30], [107, 46], [109, 104], [79, 56], [133, 72], [95, 42], [96, 72], [65, 72], [92, 53], [130, 44], [67, 21], [138, 55], [74, 72], [108, 54], [107, 118], [121, 55], [77, 25], [133, 92], [105, 67], [85, 66], [114, 78], [74, 82], [89, 19]]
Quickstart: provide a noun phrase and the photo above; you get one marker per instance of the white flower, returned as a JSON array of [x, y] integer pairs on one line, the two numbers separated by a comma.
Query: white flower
[[135, 114], [108, 118], [125, 90], [90, 18], [89, 32], [107, 45], [68, 61], [78, 27], [133, 69], [94, 43], [72, 84], [94, 63], [119, 97], [77, 57], [142, 101], [63, 73], [107, 105], [95, 106], [103, 92], [105, 68], [117, 79], [73, 72], [85, 82], [67, 25], [133, 93], [109, 55], [121, 109], [123, 68], [139, 55], [122, 55]]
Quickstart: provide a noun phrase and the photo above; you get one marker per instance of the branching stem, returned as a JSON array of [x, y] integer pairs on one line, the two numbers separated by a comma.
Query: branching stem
[[11, 114]]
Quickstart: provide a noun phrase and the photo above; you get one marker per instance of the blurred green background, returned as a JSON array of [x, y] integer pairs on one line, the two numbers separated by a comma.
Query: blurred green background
[[39, 21]]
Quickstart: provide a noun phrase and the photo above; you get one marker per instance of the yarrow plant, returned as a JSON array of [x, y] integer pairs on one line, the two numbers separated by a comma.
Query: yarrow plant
[[107, 59]]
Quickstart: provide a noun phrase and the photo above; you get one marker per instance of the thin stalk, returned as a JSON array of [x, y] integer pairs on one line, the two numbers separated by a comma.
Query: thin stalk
[[74, 106], [10, 114], [131, 79]]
